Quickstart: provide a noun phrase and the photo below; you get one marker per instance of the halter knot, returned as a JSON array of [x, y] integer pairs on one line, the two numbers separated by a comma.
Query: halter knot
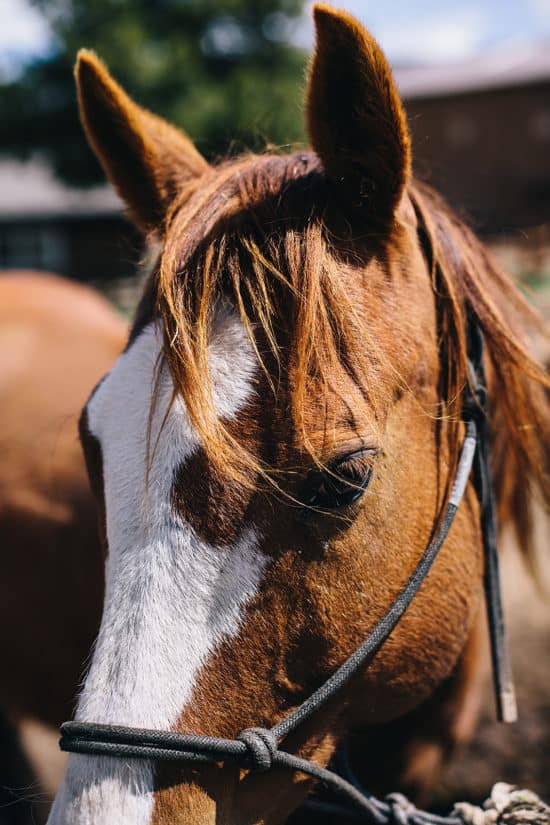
[[261, 744], [402, 809]]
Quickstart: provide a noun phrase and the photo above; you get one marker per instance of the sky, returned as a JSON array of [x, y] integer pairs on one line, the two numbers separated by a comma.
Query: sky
[[408, 30], [443, 30]]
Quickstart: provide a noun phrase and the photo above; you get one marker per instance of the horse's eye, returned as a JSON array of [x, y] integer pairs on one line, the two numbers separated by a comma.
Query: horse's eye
[[341, 483]]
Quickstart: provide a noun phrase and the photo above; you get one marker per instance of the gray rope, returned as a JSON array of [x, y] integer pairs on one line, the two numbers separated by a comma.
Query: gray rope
[[254, 749]]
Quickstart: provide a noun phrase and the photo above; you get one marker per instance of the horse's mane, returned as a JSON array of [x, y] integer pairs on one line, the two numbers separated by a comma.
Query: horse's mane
[[286, 277], [471, 281]]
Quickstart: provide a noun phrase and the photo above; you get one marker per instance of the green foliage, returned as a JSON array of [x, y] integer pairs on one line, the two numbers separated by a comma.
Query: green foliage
[[221, 69]]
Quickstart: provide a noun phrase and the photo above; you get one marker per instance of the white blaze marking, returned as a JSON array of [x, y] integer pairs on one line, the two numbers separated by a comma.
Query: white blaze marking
[[170, 597]]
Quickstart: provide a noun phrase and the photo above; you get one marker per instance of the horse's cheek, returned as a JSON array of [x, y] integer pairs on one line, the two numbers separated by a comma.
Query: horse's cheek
[[424, 649]]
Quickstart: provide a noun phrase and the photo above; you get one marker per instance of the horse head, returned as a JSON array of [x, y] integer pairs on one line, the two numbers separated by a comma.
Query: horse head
[[273, 450]]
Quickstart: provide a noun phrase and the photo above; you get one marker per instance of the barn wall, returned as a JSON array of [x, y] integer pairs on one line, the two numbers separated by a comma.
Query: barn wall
[[488, 152]]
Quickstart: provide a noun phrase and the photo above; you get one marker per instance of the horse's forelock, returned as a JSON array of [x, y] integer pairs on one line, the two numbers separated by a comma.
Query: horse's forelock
[[254, 234]]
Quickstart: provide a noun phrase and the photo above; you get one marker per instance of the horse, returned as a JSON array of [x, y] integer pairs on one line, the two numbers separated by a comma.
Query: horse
[[57, 339], [276, 446]]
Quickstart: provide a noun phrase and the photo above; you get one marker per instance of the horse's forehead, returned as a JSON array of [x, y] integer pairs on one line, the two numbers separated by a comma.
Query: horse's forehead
[[145, 439], [124, 397]]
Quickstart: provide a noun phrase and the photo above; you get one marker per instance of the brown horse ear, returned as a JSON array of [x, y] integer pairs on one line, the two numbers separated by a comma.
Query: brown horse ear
[[355, 117], [145, 158]]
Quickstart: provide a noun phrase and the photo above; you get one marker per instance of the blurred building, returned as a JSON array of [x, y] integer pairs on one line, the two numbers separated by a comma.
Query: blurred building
[[481, 135], [47, 225]]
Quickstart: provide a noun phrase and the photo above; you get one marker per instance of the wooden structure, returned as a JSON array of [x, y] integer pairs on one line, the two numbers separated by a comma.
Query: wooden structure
[[46, 225], [481, 135]]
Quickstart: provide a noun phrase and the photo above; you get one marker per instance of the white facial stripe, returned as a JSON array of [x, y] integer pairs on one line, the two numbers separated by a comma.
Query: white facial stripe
[[170, 597]]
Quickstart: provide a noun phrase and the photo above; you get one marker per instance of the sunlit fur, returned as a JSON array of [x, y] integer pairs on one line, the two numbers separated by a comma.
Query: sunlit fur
[[221, 240], [354, 286]]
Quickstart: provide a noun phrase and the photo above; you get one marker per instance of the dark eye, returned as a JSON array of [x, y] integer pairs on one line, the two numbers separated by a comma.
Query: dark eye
[[342, 483]]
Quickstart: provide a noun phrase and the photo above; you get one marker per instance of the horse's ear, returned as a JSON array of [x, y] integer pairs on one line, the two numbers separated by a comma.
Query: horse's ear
[[356, 120], [145, 158]]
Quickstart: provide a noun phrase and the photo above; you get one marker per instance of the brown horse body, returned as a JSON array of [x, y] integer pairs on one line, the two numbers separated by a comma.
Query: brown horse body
[[57, 339], [304, 333]]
